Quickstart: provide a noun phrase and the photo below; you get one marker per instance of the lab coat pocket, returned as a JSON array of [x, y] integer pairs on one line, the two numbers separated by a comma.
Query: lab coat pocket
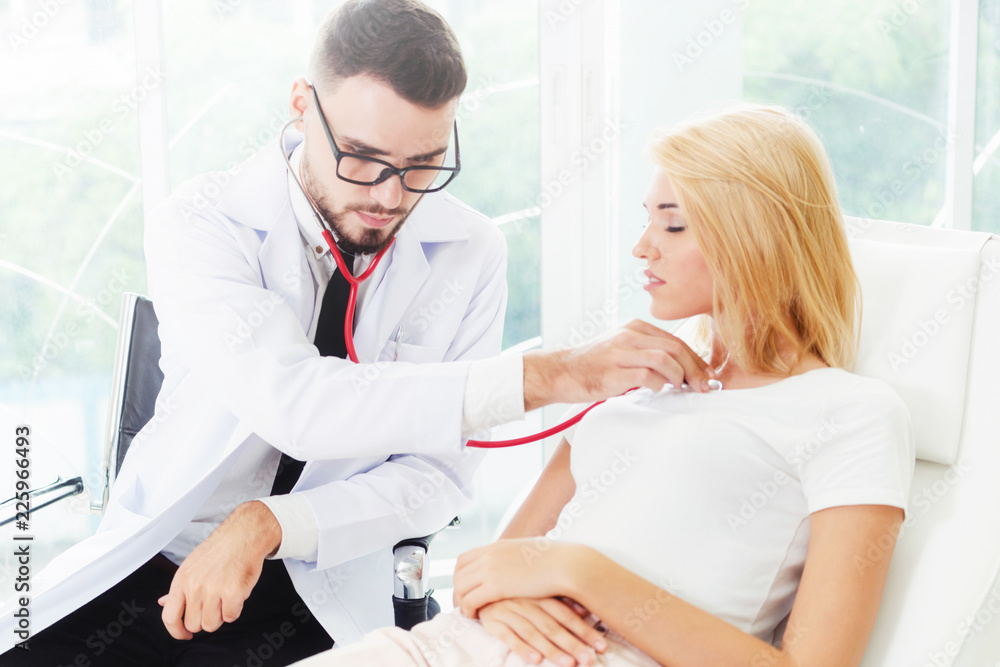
[[420, 354]]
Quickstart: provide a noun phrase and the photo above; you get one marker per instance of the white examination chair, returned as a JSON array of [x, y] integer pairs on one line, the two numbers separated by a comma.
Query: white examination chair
[[931, 329]]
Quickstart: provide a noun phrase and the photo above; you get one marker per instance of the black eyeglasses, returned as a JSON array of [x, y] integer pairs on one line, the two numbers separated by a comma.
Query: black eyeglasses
[[365, 170]]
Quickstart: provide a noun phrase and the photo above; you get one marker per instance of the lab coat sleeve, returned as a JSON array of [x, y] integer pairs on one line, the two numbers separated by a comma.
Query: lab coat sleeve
[[247, 344], [412, 495]]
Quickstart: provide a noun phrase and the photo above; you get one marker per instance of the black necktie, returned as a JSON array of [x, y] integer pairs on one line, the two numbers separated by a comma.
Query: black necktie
[[330, 342]]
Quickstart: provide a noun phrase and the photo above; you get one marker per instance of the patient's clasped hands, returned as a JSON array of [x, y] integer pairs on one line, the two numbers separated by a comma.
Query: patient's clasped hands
[[516, 588]]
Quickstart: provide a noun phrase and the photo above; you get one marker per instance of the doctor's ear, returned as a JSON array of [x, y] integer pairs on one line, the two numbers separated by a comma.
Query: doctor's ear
[[299, 101]]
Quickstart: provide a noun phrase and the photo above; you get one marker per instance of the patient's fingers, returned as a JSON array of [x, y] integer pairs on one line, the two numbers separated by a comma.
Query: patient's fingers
[[503, 632], [573, 621], [533, 633], [577, 608]]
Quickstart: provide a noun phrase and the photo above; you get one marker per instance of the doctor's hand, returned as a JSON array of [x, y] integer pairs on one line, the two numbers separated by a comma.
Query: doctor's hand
[[210, 587], [549, 628], [636, 355]]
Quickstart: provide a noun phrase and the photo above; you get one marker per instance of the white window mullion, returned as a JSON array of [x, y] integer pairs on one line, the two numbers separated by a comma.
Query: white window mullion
[[560, 37], [579, 145], [150, 63], [957, 211]]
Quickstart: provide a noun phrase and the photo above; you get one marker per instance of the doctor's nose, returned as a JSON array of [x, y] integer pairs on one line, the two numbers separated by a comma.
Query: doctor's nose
[[388, 193]]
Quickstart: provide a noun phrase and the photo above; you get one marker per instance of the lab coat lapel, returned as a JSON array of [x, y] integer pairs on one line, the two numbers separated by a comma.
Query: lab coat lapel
[[258, 198], [284, 268], [406, 273]]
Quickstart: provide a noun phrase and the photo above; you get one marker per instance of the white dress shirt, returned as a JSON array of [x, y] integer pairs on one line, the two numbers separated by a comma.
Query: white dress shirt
[[494, 394]]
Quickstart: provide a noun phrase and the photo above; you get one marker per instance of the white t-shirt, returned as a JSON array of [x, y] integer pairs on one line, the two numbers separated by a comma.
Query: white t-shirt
[[708, 496]]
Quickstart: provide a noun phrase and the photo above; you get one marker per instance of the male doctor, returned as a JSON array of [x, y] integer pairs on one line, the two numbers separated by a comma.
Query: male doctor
[[255, 558]]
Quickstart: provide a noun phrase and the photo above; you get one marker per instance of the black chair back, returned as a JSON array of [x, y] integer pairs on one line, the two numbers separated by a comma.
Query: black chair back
[[142, 376]]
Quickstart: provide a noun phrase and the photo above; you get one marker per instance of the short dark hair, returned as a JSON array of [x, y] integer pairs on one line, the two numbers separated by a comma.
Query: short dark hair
[[403, 43]]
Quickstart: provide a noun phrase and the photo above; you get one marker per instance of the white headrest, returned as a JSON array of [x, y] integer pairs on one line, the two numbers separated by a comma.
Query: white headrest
[[919, 299]]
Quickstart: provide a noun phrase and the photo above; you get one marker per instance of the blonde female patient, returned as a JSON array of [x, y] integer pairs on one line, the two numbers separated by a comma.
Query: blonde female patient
[[693, 525]]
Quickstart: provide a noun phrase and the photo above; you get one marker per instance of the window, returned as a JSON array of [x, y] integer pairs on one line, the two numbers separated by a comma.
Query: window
[[891, 86], [986, 167], [76, 76], [70, 240], [872, 79]]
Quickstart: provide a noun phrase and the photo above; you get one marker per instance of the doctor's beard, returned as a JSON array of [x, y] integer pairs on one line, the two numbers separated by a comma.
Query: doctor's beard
[[372, 240]]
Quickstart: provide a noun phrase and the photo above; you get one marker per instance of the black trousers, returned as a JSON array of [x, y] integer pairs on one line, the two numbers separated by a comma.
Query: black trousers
[[123, 628]]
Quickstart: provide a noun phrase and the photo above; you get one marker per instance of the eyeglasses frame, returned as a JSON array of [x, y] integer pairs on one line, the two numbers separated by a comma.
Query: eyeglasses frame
[[390, 169]]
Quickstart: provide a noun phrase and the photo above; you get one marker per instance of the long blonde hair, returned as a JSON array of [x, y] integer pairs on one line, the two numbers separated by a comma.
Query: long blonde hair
[[759, 195]]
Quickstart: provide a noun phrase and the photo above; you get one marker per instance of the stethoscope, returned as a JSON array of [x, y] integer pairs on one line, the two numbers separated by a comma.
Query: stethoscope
[[355, 282], [335, 251]]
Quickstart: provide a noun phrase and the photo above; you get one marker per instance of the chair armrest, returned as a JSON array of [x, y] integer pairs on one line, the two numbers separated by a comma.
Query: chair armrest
[[41, 497], [411, 565]]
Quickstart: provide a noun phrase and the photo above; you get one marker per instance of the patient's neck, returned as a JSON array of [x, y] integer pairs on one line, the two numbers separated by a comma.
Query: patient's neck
[[734, 376]]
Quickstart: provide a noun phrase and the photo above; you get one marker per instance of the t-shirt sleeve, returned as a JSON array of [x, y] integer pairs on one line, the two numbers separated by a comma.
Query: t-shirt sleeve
[[866, 454], [571, 412]]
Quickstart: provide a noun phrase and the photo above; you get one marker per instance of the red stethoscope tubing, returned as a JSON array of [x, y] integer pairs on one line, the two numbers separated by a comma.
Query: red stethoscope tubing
[[354, 282], [349, 341], [558, 428]]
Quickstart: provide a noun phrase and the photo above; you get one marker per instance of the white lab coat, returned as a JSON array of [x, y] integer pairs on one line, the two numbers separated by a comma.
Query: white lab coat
[[234, 295]]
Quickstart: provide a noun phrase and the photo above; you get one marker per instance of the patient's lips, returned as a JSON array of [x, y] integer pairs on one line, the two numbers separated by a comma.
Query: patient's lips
[[653, 281]]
